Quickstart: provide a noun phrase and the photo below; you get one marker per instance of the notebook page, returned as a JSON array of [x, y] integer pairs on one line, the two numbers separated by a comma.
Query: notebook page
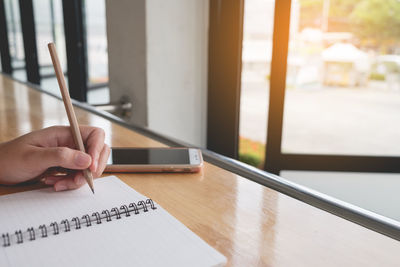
[[152, 238]]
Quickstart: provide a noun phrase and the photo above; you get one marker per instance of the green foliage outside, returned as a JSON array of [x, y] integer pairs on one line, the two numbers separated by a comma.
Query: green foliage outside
[[250, 159], [251, 152], [377, 76], [377, 19], [369, 20]]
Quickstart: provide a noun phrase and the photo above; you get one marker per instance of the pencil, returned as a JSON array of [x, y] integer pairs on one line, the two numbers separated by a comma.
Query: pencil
[[76, 134]]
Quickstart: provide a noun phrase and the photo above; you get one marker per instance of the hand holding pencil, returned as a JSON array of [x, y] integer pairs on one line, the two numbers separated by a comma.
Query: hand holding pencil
[[50, 155], [33, 156], [76, 134]]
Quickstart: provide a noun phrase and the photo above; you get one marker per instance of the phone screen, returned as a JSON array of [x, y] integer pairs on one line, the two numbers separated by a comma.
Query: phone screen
[[155, 156]]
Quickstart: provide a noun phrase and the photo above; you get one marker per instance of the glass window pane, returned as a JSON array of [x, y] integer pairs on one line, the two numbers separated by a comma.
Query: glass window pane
[[96, 37], [96, 41], [15, 39], [256, 61], [343, 78], [49, 27]]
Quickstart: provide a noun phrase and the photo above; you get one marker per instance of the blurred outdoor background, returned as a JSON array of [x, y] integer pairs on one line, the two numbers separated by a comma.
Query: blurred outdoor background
[[50, 26], [343, 78]]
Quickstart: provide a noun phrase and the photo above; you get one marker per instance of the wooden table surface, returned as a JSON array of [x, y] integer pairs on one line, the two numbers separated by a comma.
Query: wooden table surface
[[250, 224]]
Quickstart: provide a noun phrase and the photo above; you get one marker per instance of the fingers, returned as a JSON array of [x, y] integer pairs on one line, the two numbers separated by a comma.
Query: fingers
[[76, 180], [51, 180], [94, 142], [54, 147], [60, 136], [69, 183], [105, 153], [45, 158], [55, 136]]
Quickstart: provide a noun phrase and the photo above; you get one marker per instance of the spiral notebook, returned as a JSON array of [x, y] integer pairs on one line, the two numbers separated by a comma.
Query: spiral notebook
[[115, 227]]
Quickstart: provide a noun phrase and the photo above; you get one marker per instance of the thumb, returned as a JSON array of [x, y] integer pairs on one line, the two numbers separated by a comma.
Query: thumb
[[64, 157]]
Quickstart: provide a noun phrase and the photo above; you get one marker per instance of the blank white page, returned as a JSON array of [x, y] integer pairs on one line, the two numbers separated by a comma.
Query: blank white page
[[153, 238]]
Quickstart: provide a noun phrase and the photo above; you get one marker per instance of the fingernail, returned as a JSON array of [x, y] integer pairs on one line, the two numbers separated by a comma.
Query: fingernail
[[82, 159], [60, 187]]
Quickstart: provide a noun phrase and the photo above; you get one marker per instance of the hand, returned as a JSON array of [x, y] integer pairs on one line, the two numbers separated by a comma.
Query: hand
[[30, 156]]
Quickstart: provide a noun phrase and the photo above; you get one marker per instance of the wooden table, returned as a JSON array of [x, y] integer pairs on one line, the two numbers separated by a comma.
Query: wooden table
[[250, 224]]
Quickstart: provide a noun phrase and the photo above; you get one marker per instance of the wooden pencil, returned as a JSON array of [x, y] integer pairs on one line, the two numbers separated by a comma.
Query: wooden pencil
[[76, 134]]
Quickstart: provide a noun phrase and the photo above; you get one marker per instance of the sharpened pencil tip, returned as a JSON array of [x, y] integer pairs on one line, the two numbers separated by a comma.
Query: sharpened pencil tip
[[92, 190]]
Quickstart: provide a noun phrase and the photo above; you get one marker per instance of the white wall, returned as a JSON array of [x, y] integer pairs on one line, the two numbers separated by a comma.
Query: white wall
[[126, 40], [177, 36], [174, 72], [375, 192]]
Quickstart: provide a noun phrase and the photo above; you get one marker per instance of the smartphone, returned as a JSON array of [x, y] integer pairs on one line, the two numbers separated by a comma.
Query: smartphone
[[154, 160]]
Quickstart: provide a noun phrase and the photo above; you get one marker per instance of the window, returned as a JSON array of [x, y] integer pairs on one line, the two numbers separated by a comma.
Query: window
[[97, 56], [256, 69], [49, 27], [15, 39], [343, 78]]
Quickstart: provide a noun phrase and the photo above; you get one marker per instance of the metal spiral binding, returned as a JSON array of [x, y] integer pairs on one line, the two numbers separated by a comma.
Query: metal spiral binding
[[107, 214], [6, 240], [31, 231], [98, 217], [43, 229], [88, 221], [20, 238], [117, 213], [67, 227], [143, 204], [133, 205], [56, 230], [151, 203], [76, 223], [125, 210]]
